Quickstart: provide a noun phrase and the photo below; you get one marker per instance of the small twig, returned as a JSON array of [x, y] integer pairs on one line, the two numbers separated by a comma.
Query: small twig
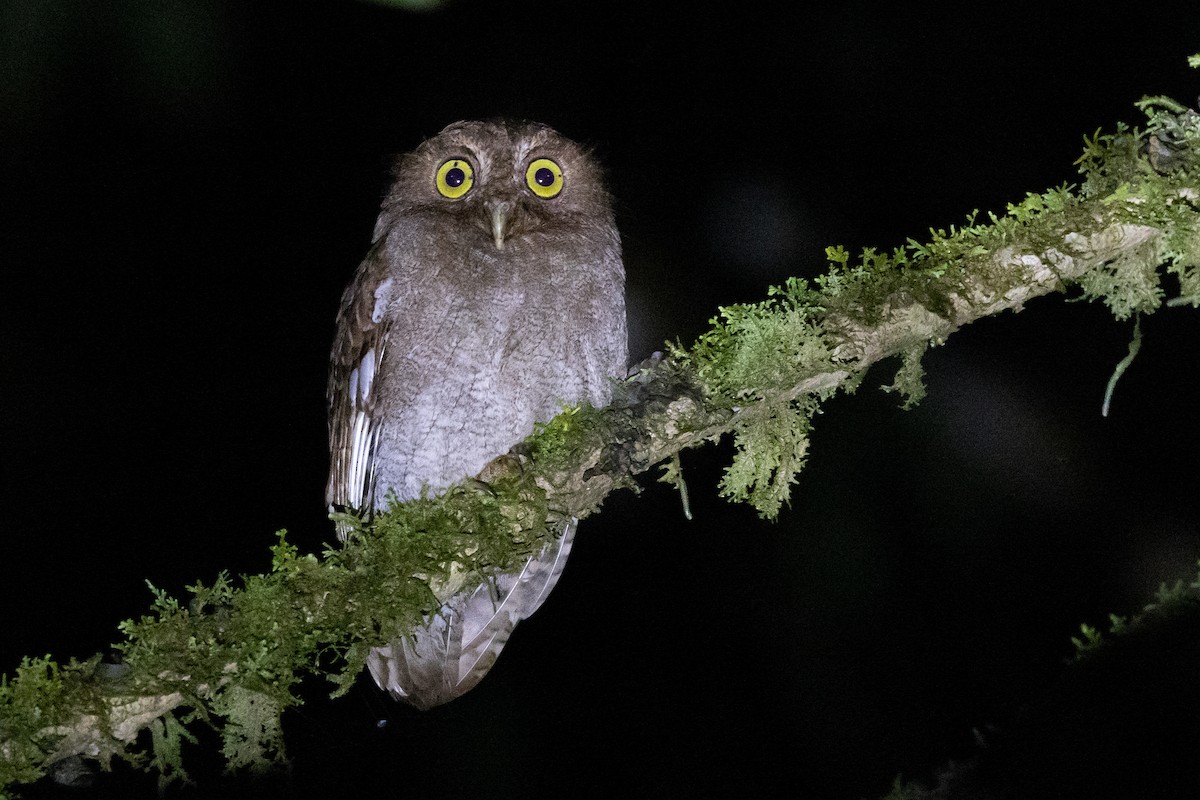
[[681, 484], [1135, 344]]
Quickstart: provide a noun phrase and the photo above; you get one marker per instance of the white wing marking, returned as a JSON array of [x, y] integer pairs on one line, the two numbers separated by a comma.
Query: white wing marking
[[364, 433], [381, 301]]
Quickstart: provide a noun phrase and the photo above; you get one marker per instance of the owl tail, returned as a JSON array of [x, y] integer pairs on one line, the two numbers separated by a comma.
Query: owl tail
[[455, 648]]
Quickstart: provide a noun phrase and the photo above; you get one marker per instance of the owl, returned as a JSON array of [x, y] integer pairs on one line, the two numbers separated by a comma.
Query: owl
[[492, 296]]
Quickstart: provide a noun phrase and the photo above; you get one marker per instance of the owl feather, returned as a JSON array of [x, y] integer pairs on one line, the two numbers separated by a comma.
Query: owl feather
[[492, 296]]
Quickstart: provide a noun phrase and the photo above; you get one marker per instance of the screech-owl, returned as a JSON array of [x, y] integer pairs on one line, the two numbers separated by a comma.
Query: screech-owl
[[492, 296]]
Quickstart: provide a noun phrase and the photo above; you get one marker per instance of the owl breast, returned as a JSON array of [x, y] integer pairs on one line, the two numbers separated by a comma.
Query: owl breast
[[483, 344]]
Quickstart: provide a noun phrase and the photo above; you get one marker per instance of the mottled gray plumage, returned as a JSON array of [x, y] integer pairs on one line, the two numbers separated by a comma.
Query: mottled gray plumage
[[492, 296]]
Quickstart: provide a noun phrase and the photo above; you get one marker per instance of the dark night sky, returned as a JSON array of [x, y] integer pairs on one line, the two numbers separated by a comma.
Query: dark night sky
[[187, 186]]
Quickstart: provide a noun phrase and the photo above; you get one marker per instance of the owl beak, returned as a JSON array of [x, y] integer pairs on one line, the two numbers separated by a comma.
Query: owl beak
[[499, 214]]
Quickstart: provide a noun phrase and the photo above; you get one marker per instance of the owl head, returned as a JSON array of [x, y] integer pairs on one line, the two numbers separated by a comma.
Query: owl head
[[505, 180]]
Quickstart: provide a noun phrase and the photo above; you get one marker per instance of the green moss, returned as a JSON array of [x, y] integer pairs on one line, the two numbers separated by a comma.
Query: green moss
[[556, 441], [771, 444], [167, 735], [755, 350], [39, 705], [1180, 598], [910, 378]]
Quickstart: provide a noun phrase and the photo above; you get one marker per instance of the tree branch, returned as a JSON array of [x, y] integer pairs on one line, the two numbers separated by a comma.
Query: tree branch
[[232, 656]]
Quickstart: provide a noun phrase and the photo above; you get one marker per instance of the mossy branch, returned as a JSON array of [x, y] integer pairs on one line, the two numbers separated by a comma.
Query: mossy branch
[[233, 655]]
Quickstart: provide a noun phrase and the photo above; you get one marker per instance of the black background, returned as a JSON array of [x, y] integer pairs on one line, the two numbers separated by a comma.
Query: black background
[[188, 185]]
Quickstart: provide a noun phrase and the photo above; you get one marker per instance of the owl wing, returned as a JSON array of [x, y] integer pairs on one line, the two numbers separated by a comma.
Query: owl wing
[[358, 351], [457, 646]]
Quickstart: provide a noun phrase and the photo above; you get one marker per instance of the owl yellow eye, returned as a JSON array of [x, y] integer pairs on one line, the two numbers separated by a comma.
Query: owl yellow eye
[[544, 178], [454, 178]]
